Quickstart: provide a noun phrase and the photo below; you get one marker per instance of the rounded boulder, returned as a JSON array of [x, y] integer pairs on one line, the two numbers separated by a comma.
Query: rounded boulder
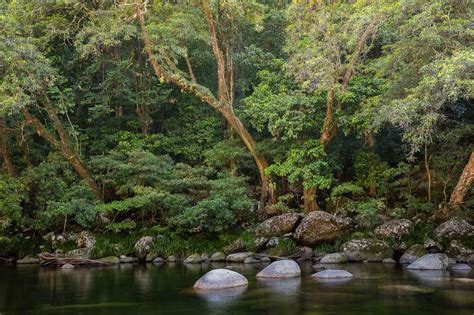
[[281, 269], [221, 279]]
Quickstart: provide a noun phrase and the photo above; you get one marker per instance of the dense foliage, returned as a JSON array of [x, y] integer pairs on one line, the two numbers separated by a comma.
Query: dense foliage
[[201, 117]]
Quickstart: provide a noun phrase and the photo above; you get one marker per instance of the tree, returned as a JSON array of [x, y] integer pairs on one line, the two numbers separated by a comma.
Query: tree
[[165, 68], [29, 81], [327, 44]]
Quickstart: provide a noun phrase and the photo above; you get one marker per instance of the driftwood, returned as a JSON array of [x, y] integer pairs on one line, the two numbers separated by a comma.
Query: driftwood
[[47, 259]]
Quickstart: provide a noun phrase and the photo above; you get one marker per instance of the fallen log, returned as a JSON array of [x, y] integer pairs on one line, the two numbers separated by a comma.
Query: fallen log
[[47, 259]]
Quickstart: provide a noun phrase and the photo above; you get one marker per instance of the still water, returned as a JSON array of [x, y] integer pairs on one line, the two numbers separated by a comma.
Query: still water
[[167, 289]]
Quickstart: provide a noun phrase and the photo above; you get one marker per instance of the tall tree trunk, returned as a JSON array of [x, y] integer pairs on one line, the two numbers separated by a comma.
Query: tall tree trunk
[[7, 162], [428, 172], [309, 198], [464, 184], [330, 125], [62, 146]]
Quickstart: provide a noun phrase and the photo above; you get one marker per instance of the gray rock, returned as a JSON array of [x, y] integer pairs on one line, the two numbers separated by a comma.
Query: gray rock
[[150, 257], [319, 226], [334, 258], [85, 239], [460, 267], [459, 252], [57, 240], [265, 259], [127, 260], [273, 242], [218, 257], [238, 257], [454, 228], [67, 266], [412, 254], [281, 269], [82, 253], [389, 261], [158, 261], [332, 274], [395, 228], [430, 262], [143, 247], [193, 259], [260, 243], [304, 252], [251, 260], [220, 279], [28, 260], [171, 259], [279, 225], [366, 250], [113, 260], [204, 258], [432, 246]]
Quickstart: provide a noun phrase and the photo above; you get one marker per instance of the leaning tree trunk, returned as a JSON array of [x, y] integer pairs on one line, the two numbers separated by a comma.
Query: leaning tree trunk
[[62, 146], [7, 162], [464, 184], [223, 103]]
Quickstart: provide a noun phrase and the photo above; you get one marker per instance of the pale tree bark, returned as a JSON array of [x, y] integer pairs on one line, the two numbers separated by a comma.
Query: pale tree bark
[[62, 145], [465, 182], [225, 94]]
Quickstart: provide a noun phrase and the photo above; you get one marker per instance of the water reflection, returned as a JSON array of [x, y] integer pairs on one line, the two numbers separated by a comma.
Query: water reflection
[[433, 278], [221, 297], [167, 289], [283, 286]]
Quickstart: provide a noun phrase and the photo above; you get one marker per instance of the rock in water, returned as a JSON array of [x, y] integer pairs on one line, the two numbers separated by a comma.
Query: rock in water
[[394, 228], [279, 225], [158, 260], [334, 258], [460, 267], [220, 279], [238, 257], [366, 250], [389, 261], [430, 262], [454, 228], [332, 274], [67, 266], [193, 259], [318, 226], [218, 257], [412, 254], [143, 247], [281, 269]]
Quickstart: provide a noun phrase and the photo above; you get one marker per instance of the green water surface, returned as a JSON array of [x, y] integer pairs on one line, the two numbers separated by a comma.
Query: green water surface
[[167, 289]]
